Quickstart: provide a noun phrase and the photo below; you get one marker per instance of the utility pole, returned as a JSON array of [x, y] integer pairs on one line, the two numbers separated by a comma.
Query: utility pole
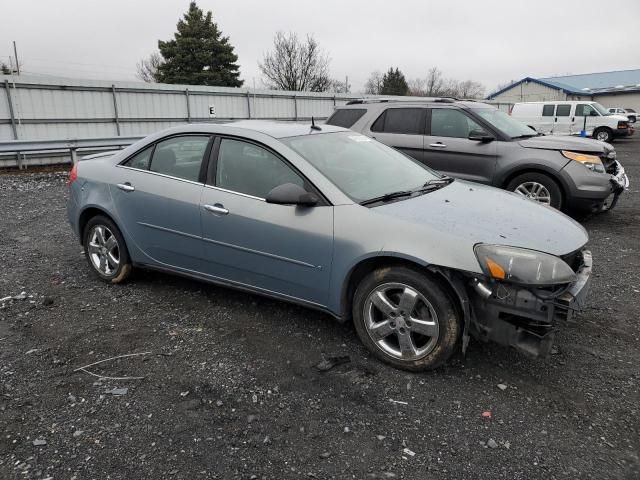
[[15, 54]]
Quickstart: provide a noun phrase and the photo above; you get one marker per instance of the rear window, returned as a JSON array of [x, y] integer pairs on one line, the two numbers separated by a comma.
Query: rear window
[[409, 121], [547, 110], [346, 117], [563, 110]]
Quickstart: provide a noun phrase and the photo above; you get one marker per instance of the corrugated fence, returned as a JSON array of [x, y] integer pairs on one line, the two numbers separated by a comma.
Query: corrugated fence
[[43, 108]]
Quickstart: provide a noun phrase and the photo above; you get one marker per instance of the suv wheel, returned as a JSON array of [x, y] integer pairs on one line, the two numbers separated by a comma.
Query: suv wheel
[[406, 319], [538, 187], [603, 134], [105, 250]]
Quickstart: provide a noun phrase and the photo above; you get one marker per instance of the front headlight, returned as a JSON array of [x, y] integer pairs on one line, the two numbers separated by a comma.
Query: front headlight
[[523, 266], [592, 162]]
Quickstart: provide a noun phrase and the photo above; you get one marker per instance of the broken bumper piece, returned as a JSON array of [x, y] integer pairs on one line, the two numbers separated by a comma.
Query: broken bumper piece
[[525, 318]]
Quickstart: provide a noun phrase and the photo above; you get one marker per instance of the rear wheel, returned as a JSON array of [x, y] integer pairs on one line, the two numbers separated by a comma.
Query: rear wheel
[[406, 319], [105, 250], [538, 187], [603, 134]]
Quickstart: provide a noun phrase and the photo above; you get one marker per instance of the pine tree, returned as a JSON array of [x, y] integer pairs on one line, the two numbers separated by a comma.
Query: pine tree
[[199, 54], [394, 83]]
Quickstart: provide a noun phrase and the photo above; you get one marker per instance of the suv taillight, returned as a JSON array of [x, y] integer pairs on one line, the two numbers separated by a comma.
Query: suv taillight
[[73, 174], [622, 125]]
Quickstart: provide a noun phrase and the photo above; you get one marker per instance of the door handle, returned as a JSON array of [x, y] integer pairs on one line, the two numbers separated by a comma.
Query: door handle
[[217, 208], [127, 187], [438, 145]]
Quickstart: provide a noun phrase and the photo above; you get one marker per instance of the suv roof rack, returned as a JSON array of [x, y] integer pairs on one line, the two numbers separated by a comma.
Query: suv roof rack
[[362, 101]]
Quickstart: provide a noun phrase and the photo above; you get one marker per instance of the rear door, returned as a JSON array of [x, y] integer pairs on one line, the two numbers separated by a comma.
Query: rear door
[[449, 150], [403, 129], [564, 119], [282, 249], [547, 121], [157, 198]]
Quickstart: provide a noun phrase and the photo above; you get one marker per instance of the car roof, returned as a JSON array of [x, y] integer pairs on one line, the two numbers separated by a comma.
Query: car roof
[[271, 128]]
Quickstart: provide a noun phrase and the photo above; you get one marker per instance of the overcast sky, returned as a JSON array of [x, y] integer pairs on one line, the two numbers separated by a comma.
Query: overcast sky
[[489, 41]]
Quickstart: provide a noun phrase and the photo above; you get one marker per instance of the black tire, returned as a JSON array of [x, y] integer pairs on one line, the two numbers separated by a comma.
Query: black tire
[[555, 193], [601, 132], [437, 348], [98, 251]]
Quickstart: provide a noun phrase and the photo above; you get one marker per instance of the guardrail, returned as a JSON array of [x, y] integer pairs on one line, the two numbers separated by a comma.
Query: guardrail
[[72, 146]]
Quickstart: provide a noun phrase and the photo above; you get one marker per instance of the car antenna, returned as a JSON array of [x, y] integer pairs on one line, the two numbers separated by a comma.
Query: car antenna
[[313, 124]]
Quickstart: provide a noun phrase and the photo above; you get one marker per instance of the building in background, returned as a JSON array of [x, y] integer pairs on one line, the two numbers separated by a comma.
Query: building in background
[[611, 89]]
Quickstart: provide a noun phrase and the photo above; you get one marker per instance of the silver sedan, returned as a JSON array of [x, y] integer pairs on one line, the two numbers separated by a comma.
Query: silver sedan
[[334, 220]]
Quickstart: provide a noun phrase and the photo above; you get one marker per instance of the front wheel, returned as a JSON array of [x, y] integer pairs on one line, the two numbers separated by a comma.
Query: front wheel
[[603, 134], [105, 250], [538, 187], [406, 319]]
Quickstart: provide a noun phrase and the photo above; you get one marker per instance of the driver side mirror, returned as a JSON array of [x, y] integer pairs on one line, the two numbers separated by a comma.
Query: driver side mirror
[[291, 194], [481, 136]]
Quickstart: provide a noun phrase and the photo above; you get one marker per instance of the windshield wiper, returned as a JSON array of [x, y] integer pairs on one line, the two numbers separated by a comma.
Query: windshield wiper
[[436, 183], [528, 135], [388, 196]]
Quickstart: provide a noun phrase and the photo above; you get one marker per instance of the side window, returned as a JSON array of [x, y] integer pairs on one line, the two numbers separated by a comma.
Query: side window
[[547, 110], [408, 121], [447, 122], [247, 168], [563, 110], [141, 159], [180, 156], [585, 110], [346, 117]]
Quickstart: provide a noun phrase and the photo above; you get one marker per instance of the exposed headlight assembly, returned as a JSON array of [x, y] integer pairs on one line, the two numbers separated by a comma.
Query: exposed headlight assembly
[[592, 162], [523, 266]]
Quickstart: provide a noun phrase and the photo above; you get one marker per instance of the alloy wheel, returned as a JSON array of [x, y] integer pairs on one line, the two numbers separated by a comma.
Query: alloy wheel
[[401, 321], [103, 250], [534, 191]]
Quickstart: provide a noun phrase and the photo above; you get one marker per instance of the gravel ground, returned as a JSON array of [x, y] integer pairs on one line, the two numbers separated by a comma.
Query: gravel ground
[[230, 388]]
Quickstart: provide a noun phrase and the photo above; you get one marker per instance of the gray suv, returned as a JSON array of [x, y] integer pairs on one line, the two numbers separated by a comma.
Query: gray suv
[[477, 142]]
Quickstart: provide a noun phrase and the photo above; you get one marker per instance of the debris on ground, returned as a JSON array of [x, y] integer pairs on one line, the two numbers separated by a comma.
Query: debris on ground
[[502, 386], [492, 443], [328, 363], [117, 391], [39, 442]]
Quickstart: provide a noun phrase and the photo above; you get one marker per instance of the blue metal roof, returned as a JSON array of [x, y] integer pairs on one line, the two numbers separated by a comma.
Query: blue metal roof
[[575, 84], [626, 78]]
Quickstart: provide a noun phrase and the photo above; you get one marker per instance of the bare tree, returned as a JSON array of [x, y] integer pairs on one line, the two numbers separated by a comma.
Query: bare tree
[[418, 87], [434, 82], [148, 68], [374, 83], [296, 65], [470, 89]]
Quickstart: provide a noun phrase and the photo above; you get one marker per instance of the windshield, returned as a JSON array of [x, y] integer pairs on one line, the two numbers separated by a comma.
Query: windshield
[[601, 110], [359, 166], [504, 122]]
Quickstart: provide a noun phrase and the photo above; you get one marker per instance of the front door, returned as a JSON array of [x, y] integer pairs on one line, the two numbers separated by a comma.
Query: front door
[[157, 198], [449, 150], [282, 249]]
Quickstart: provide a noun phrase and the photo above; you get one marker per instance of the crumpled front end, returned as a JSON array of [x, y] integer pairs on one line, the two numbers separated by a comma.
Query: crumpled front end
[[526, 317]]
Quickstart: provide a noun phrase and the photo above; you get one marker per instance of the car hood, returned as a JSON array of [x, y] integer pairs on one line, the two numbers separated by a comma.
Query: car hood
[[557, 142], [464, 214]]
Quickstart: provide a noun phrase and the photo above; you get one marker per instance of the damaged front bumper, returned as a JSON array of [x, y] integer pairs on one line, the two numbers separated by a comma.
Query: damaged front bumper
[[526, 318], [619, 183]]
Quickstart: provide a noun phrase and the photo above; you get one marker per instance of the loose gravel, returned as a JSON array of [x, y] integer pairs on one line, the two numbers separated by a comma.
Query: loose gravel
[[236, 386]]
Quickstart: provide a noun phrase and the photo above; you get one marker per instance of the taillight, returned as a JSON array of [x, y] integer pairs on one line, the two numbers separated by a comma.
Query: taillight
[[622, 125], [73, 174]]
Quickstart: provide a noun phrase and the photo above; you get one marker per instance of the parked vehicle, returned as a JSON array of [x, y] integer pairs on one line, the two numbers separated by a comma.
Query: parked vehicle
[[568, 118], [334, 220], [477, 142], [630, 113]]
